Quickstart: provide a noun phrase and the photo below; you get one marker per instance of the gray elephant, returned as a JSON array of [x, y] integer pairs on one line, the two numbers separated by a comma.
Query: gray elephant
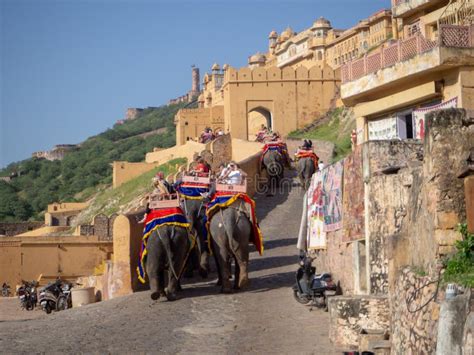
[[167, 249], [306, 169], [195, 211], [273, 162], [231, 231]]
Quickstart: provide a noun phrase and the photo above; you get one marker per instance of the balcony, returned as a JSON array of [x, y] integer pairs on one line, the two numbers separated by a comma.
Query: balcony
[[316, 42], [406, 58], [404, 8]]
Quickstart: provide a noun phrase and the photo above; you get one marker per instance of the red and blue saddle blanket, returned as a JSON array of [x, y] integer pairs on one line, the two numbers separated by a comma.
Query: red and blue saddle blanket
[[308, 154], [157, 218], [280, 147], [192, 191], [225, 199]]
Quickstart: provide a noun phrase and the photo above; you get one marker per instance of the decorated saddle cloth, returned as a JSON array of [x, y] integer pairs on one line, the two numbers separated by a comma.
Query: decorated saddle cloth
[[280, 147], [157, 218], [225, 199], [192, 190], [308, 154]]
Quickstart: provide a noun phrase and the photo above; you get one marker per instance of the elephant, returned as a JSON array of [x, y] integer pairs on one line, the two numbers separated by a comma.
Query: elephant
[[195, 211], [306, 169], [273, 162], [231, 231], [167, 250]]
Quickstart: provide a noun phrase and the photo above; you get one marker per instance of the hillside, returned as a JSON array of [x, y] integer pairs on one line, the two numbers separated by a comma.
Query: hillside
[[81, 173], [336, 127]]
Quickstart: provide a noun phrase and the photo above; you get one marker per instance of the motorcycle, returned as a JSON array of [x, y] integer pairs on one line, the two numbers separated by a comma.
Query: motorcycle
[[56, 296], [5, 290], [311, 287], [28, 295]]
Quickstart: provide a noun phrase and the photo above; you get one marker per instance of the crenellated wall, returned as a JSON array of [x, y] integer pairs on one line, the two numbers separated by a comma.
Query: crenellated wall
[[291, 97]]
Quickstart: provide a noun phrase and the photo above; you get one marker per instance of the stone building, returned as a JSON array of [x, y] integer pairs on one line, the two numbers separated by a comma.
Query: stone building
[[296, 81], [63, 214], [428, 65], [193, 93], [402, 203]]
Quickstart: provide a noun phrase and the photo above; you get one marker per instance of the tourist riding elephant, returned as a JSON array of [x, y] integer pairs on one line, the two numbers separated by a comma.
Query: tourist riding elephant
[[231, 230], [167, 249], [306, 169], [195, 211], [273, 163]]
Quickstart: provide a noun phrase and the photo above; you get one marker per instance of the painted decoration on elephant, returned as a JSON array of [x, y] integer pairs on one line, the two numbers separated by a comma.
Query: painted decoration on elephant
[[324, 204], [353, 202], [419, 115]]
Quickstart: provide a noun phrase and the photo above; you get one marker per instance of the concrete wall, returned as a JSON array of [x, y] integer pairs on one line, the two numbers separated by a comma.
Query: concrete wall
[[242, 149], [14, 228], [184, 151], [294, 97], [124, 171], [251, 166], [190, 123], [66, 207], [414, 328], [69, 257]]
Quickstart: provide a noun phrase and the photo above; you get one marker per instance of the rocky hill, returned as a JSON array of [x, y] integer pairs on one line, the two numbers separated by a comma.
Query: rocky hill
[[81, 173]]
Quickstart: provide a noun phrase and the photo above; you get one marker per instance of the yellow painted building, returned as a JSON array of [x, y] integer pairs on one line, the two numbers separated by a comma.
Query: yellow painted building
[[296, 81], [430, 66]]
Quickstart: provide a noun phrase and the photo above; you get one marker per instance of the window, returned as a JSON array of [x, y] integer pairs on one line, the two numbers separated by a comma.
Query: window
[[413, 29], [405, 125]]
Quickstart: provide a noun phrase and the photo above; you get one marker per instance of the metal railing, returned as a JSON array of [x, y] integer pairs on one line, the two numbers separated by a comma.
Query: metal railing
[[402, 50]]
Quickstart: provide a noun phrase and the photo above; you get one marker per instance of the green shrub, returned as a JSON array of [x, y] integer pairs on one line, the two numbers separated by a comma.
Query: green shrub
[[460, 267], [42, 182]]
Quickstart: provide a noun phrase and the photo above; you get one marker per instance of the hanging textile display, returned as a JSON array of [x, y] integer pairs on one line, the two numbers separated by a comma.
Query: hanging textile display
[[324, 199], [419, 115]]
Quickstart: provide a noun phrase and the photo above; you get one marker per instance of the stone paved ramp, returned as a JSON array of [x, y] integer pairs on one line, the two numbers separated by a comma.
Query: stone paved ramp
[[264, 319]]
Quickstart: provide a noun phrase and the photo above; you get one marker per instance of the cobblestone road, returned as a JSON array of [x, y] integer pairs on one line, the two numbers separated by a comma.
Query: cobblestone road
[[263, 319]]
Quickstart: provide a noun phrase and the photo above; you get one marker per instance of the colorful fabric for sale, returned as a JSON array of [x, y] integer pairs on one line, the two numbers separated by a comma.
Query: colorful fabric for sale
[[324, 204]]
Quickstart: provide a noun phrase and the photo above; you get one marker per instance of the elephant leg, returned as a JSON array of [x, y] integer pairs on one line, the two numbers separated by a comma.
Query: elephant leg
[[237, 275], [302, 181], [222, 256], [153, 266], [218, 268], [242, 262], [203, 253], [192, 262], [180, 247]]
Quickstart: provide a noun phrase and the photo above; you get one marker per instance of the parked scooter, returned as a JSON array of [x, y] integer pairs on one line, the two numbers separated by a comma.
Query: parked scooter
[[5, 290], [312, 287], [56, 296], [27, 293]]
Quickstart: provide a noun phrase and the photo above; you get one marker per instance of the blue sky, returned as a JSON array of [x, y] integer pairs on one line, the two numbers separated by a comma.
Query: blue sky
[[70, 68]]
